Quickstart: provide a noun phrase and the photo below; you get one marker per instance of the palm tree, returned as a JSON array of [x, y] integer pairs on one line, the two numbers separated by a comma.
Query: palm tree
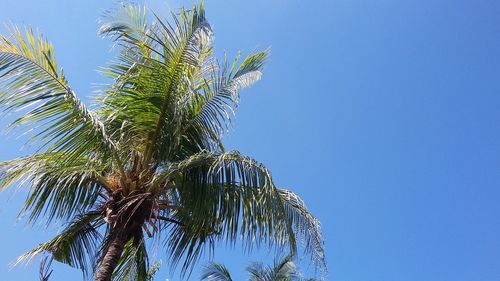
[[282, 270], [147, 160]]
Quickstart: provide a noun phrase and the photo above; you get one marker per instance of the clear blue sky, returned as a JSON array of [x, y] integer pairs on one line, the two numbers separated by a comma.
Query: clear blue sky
[[384, 115]]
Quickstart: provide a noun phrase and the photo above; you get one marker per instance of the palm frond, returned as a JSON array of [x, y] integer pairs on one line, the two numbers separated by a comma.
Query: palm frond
[[222, 188], [134, 263], [153, 76], [76, 245], [216, 272], [306, 225], [228, 197], [283, 270], [215, 104], [31, 82], [185, 47], [228, 168], [257, 272], [56, 189], [126, 25]]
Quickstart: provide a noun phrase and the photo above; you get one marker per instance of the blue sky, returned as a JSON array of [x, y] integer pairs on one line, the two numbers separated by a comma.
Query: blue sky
[[382, 115]]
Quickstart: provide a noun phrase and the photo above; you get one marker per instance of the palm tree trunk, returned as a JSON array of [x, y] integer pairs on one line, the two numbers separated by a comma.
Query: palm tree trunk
[[111, 257]]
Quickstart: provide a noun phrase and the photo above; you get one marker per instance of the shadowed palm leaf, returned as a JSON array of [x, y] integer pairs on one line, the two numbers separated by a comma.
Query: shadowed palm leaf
[[148, 161]]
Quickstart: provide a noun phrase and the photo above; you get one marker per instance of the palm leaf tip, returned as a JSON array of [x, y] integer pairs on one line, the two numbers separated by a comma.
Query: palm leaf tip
[[306, 225], [253, 63], [128, 23]]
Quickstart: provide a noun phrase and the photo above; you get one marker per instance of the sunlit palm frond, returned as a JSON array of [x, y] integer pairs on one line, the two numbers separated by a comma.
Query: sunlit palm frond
[[154, 76], [30, 82], [282, 270], [226, 168], [185, 48], [229, 196], [222, 188], [126, 25], [123, 98], [214, 105], [306, 225], [56, 189], [258, 272], [216, 272]]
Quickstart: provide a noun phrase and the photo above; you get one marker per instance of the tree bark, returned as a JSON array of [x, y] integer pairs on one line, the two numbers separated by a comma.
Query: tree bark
[[112, 256]]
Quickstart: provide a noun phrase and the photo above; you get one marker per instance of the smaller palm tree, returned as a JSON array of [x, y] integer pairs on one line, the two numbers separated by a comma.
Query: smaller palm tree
[[282, 270]]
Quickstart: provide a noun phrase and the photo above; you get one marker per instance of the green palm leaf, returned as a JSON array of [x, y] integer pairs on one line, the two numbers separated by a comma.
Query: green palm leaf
[[30, 82], [56, 189], [214, 106], [76, 245], [229, 196]]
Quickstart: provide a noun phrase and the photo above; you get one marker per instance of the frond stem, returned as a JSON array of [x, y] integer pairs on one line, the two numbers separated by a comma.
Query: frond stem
[[163, 218]]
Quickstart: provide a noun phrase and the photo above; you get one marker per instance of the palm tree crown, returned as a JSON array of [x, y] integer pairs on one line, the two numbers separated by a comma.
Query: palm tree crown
[[282, 270], [147, 160]]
